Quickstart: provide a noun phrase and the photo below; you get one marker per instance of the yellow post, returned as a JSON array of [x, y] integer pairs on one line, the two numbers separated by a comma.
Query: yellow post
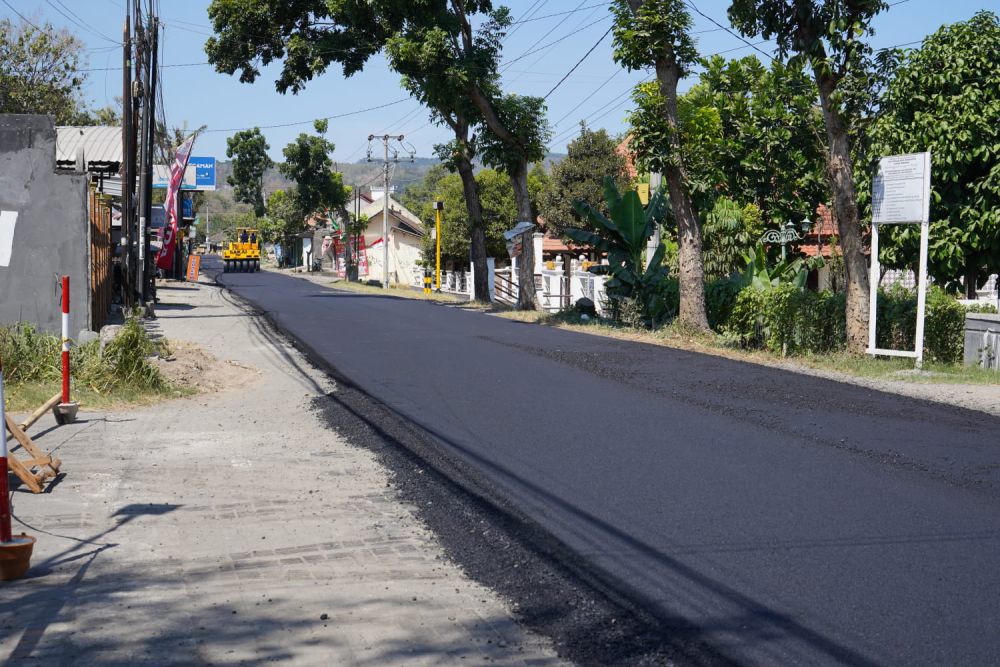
[[438, 207]]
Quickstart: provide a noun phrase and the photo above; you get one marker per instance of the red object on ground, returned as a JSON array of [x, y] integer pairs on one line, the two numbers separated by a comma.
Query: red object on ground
[[65, 339]]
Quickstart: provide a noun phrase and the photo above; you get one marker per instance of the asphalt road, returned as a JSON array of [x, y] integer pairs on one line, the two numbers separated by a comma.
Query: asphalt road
[[789, 520]]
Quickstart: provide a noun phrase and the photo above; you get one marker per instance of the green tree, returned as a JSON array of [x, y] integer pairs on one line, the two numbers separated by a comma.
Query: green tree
[[768, 148], [419, 196], [498, 213], [248, 151], [827, 36], [285, 217], [945, 98], [40, 72], [430, 44], [634, 289], [656, 34], [580, 175], [730, 230], [308, 163]]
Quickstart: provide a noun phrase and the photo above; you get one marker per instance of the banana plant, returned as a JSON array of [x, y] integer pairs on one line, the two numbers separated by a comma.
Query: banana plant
[[623, 236], [758, 276]]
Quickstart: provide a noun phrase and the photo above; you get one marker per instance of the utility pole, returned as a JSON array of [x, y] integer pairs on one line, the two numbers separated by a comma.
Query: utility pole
[[149, 137], [386, 140], [128, 155]]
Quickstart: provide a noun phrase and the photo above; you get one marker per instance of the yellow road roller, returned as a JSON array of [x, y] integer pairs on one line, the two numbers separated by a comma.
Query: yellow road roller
[[243, 254]]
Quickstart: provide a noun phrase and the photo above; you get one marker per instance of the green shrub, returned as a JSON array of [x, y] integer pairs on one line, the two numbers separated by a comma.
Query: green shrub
[[670, 298], [787, 320], [720, 297], [944, 327], [29, 355], [897, 319], [944, 323]]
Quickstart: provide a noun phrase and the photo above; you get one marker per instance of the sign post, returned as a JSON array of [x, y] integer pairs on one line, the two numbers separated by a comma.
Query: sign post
[[438, 208], [901, 194]]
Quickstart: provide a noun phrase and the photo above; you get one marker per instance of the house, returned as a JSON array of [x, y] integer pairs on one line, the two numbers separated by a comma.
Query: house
[[406, 233], [52, 223]]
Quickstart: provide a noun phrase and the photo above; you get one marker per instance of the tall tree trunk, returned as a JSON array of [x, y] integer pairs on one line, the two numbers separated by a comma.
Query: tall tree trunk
[[526, 297], [476, 228], [689, 257], [971, 278], [845, 208], [350, 268]]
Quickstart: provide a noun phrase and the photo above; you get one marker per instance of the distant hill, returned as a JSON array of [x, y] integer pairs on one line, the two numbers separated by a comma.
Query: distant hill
[[362, 173]]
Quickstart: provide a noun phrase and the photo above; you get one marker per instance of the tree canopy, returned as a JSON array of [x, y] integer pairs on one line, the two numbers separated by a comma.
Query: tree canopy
[[308, 163], [40, 72], [248, 151], [767, 147], [580, 175], [945, 98]]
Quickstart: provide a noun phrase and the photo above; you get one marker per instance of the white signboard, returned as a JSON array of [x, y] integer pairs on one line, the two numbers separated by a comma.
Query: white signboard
[[901, 194], [901, 191], [7, 221]]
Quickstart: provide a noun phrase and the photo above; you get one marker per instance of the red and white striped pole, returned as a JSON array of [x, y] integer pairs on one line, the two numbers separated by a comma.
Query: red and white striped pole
[[65, 339], [5, 534]]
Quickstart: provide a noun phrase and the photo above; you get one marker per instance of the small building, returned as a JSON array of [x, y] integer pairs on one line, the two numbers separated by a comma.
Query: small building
[[52, 223], [406, 233]]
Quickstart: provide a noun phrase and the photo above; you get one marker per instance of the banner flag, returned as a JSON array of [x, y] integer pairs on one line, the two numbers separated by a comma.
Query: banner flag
[[165, 256]]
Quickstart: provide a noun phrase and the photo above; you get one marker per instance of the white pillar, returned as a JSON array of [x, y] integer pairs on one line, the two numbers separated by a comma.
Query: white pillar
[[538, 240], [491, 268]]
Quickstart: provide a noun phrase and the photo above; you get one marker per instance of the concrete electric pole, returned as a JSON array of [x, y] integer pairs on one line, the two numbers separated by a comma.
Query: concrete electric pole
[[387, 140]]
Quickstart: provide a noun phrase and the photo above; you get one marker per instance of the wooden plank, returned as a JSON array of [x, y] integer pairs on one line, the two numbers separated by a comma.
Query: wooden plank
[[22, 437], [26, 476], [37, 414]]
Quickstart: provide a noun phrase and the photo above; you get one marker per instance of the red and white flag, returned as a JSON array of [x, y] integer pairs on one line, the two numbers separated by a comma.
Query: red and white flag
[[165, 256]]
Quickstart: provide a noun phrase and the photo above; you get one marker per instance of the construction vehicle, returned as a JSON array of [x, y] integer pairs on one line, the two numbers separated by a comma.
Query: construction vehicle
[[243, 254]]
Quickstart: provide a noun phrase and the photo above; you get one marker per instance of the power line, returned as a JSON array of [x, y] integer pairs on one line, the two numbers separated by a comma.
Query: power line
[[527, 15], [312, 120], [736, 35], [23, 17], [552, 43], [118, 69], [76, 19], [569, 11], [578, 63], [588, 97]]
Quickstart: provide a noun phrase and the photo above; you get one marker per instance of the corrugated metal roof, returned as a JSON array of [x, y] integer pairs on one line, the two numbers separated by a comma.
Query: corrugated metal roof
[[100, 143]]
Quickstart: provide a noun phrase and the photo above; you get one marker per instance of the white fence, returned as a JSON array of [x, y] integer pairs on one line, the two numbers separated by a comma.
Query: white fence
[[562, 289]]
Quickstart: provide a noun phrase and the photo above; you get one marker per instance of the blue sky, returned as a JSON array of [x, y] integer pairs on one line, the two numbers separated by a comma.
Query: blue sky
[[597, 90]]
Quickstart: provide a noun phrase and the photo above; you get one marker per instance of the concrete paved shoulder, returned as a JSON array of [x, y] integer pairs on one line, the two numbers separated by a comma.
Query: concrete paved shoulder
[[236, 528]]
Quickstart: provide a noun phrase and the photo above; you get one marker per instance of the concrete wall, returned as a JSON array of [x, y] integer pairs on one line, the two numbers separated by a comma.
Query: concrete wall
[[982, 340], [50, 235]]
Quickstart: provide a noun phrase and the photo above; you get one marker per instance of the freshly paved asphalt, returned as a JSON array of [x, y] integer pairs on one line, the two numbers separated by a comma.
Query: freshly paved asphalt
[[791, 520]]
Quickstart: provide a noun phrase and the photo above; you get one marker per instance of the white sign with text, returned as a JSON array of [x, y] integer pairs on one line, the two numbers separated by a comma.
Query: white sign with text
[[901, 191]]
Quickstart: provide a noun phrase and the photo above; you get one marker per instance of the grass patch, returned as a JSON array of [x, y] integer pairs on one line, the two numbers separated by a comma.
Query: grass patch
[[119, 375], [676, 336]]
